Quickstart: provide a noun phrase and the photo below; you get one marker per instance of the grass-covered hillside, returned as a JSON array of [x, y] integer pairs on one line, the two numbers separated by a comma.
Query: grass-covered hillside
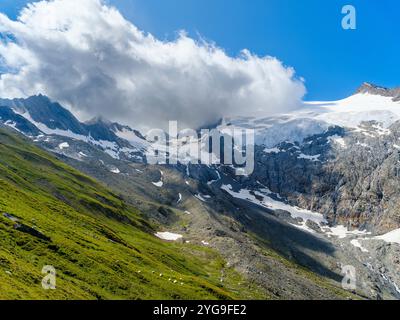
[[51, 214]]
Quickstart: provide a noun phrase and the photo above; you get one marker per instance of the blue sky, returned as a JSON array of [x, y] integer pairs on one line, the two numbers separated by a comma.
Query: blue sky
[[306, 35]]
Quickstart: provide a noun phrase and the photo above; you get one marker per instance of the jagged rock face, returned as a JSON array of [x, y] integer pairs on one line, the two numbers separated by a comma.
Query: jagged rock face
[[377, 90], [350, 177], [348, 173], [42, 110], [18, 122], [39, 117]]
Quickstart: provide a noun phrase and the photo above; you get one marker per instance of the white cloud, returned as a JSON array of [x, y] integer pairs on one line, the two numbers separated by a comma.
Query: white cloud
[[84, 54]]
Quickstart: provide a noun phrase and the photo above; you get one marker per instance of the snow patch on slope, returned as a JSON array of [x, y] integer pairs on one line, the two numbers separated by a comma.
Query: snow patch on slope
[[132, 138], [109, 147], [390, 237], [169, 236], [262, 198], [307, 157], [270, 203], [272, 150], [337, 140], [201, 197], [115, 170], [356, 243], [12, 124], [160, 183], [64, 145]]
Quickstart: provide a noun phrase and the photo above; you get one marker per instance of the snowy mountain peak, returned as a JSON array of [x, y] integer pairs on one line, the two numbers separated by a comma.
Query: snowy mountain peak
[[374, 89], [370, 104], [371, 88], [44, 121]]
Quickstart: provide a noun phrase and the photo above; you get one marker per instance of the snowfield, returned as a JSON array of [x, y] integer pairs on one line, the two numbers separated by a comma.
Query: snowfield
[[158, 184], [390, 237], [316, 117], [12, 124], [168, 236], [115, 170], [63, 146], [270, 203], [342, 232], [357, 244], [201, 197], [307, 157], [339, 231], [352, 111]]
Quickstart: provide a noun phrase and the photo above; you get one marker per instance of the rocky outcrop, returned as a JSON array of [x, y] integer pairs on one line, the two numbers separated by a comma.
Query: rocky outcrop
[[378, 90], [350, 176]]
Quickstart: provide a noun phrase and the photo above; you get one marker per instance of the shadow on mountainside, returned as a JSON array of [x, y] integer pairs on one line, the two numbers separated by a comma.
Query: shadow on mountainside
[[292, 243]]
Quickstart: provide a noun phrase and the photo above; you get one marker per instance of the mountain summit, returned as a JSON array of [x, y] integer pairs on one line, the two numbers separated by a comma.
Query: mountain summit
[[326, 178], [371, 88]]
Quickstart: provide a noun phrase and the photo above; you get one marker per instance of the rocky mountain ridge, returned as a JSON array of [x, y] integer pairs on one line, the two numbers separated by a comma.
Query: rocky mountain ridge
[[329, 170], [370, 88]]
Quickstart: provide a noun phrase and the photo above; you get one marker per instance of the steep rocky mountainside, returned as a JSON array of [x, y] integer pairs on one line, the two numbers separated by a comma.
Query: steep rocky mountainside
[[346, 167], [103, 246], [100, 246], [323, 194], [351, 177]]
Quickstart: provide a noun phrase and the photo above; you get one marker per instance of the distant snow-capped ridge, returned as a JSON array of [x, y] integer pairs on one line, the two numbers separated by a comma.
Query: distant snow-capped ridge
[[371, 88], [39, 115], [369, 103]]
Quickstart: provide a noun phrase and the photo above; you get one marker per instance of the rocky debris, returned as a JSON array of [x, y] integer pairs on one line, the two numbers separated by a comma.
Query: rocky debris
[[355, 180], [33, 232], [350, 176], [286, 216], [313, 226], [10, 217], [220, 233]]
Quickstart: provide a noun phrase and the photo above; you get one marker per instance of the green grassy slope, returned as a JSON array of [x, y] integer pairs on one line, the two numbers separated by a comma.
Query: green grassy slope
[[101, 247]]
